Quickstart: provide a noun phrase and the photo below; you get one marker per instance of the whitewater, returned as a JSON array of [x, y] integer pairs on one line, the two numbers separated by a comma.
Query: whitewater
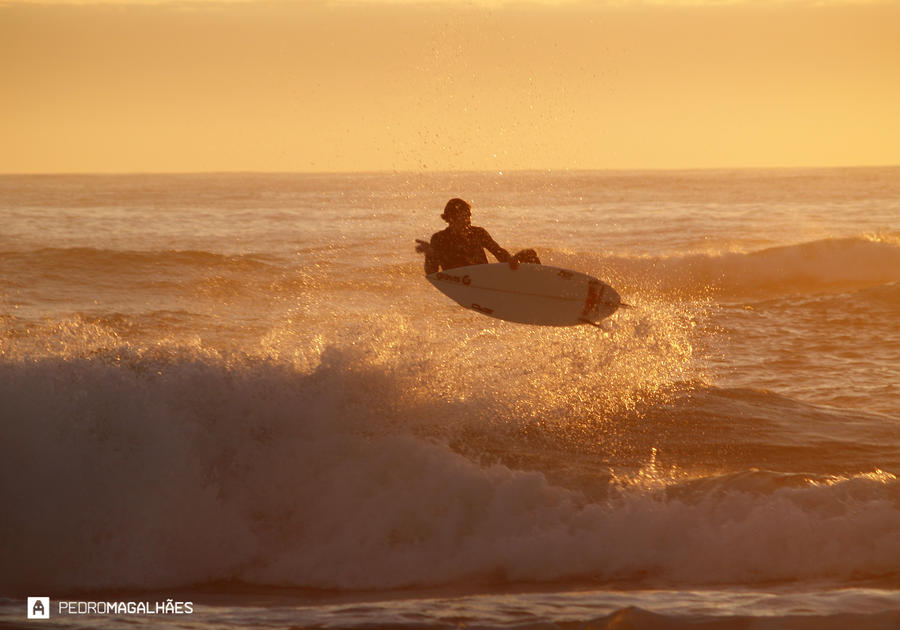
[[240, 390]]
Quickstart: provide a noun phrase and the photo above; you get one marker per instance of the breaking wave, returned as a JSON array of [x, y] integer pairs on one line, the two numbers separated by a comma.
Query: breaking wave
[[825, 265], [146, 472]]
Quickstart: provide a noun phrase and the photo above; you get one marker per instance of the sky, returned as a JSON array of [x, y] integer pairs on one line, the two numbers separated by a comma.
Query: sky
[[406, 85]]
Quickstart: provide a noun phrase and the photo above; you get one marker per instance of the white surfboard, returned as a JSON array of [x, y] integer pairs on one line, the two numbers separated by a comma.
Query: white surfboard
[[532, 294]]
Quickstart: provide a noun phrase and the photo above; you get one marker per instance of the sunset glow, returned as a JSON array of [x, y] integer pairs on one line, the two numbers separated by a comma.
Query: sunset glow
[[375, 86]]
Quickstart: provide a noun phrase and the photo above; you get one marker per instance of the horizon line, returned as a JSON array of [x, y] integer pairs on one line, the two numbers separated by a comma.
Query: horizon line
[[498, 172]]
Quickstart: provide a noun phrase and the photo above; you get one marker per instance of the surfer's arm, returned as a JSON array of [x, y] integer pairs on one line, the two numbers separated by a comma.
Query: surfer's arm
[[431, 262], [491, 245], [502, 255]]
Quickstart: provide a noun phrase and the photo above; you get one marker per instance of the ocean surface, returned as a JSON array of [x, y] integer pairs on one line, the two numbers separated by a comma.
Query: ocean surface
[[239, 390]]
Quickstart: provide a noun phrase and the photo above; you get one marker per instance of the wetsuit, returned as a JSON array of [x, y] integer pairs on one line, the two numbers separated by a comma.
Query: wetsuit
[[452, 249]]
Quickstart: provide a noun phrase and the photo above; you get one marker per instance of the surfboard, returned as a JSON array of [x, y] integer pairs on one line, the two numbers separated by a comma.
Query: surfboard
[[531, 294]]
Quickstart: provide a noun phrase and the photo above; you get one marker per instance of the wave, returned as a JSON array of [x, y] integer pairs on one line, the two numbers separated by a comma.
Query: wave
[[571, 611], [130, 278], [817, 266], [640, 619], [90, 259], [156, 470], [824, 265]]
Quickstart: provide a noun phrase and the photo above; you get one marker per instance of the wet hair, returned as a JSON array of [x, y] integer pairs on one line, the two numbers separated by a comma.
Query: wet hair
[[454, 207]]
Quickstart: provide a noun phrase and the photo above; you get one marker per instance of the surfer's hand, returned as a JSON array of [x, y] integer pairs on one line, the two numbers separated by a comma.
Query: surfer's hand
[[423, 247], [513, 262]]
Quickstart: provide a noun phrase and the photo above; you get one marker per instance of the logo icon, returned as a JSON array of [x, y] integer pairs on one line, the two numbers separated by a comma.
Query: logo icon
[[38, 607]]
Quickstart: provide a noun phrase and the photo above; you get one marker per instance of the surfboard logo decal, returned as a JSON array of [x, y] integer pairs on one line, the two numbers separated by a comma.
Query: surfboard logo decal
[[482, 309], [466, 280]]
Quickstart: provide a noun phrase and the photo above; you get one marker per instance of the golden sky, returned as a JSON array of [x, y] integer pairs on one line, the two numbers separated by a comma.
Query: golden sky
[[376, 85]]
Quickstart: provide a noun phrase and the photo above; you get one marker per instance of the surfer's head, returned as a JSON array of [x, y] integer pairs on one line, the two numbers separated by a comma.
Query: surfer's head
[[457, 211]]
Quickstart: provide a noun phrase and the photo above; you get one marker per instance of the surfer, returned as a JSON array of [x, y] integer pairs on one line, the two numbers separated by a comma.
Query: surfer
[[461, 243]]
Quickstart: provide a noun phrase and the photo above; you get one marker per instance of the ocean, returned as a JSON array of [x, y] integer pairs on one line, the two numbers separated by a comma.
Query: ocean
[[239, 391]]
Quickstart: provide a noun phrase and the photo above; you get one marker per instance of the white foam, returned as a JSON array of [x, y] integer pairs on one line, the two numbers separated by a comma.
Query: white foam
[[179, 472]]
